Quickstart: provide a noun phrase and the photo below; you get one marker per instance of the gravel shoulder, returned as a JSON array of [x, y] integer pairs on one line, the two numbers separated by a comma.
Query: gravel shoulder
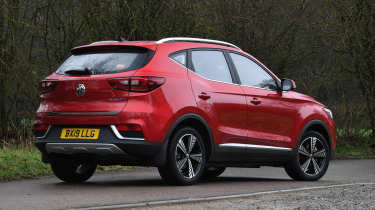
[[349, 197]]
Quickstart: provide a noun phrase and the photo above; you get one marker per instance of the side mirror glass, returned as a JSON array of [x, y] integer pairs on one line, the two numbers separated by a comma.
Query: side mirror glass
[[287, 84]]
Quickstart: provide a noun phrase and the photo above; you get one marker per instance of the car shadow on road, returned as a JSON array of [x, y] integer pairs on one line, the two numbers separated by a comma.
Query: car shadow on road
[[118, 183], [243, 179], [157, 182]]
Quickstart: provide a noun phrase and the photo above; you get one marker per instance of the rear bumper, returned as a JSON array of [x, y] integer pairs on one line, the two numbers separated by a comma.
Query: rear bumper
[[77, 148], [108, 149]]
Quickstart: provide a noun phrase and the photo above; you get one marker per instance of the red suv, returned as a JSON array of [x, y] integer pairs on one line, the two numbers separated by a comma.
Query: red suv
[[189, 106]]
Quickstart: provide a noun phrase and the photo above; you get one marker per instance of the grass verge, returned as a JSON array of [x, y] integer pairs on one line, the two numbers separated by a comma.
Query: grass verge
[[18, 163], [25, 162], [355, 150]]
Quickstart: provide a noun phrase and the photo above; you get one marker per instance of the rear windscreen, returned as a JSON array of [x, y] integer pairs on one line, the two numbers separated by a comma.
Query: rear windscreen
[[106, 62]]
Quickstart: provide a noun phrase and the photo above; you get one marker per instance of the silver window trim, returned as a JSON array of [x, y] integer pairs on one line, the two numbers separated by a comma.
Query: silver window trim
[[254, 146], [213, 79], [230, 83], [226, 82], [258, 88], [190, 39], [201, 75]]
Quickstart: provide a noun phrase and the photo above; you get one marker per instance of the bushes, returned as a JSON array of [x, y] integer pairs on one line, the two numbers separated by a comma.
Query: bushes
[[355, 143], [325, 46]]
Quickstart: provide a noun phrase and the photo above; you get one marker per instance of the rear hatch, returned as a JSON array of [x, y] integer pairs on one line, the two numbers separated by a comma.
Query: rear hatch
[[80, 85]]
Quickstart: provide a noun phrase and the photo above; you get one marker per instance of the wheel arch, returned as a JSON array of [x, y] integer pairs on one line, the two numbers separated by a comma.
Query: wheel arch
[[320, 127], [192, 120]]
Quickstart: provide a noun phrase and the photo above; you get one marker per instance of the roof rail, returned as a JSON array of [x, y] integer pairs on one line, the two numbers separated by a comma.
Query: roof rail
[[188, 39], [102, 42]]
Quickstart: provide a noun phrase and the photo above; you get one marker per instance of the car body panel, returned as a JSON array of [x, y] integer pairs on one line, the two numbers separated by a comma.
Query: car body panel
[[276, 121], [271, 117], [226, 108]]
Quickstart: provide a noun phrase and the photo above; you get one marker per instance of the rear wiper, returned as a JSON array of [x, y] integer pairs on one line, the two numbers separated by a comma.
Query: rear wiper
[[85, 71]]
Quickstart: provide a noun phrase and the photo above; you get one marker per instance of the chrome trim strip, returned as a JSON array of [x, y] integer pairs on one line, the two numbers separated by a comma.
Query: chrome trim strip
[[259, 88], [119, 136], [227, 82], [110, 113], [230, 83], [189, 39], [254, 146], [94, 148], [45, 134]]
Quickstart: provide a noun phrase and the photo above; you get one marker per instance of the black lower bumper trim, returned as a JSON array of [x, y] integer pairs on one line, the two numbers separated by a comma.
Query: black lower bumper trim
[[133, 153]]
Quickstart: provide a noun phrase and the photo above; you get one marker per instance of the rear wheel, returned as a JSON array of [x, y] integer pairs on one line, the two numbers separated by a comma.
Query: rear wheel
[[212, 172], [73, 171], [311, 159], [186, 158]]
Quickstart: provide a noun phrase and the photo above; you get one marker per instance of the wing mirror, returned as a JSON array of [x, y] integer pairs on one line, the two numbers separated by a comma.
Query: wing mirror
[[287, 84]]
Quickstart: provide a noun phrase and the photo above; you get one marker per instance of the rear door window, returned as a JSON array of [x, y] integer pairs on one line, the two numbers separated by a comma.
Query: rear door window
[[211, 64], [106, 62]]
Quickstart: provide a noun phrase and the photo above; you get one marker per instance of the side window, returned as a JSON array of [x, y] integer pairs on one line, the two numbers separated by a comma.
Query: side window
[[179, 57], [251, 74], [211, 65]]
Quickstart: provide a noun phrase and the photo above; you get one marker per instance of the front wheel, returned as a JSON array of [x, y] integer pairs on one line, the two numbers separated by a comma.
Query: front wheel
[[311, 158], [186, 158], [73, 171]]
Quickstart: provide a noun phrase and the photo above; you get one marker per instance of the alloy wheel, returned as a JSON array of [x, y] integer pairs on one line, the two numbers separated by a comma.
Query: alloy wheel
[[312, 156], [188, 156]]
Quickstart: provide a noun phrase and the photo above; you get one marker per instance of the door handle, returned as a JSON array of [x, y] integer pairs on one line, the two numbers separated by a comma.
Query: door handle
[[204, 96], [255, 101]]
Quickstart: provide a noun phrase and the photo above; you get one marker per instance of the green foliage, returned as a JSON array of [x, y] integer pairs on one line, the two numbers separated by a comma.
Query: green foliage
[[361, 133], [326, 46], [355, 143], [16, 164], [25, 162], [364, 148]]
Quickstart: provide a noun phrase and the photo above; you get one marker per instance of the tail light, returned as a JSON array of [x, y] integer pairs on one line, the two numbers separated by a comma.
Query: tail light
[[136, 84], [129, 127], [130, 130], [47, 86]]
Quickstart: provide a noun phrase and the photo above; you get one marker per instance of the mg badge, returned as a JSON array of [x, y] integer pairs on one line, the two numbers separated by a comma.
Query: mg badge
[[81, 90]]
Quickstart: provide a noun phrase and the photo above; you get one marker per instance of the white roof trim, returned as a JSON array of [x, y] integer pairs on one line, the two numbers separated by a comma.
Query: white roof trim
[[189, 39]]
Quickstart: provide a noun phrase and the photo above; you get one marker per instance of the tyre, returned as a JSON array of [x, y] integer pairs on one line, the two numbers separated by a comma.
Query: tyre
[[73, 171], [311, 159], [186, 158], [212, 172]]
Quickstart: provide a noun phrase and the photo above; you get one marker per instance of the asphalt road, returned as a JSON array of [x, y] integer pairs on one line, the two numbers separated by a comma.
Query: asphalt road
[[144, 184]]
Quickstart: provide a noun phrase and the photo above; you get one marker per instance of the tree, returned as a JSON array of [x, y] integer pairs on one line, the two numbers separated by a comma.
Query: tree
[[353, 26]]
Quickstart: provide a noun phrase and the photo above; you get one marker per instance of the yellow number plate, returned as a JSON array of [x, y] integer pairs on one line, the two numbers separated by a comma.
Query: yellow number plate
[[79, 133]]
